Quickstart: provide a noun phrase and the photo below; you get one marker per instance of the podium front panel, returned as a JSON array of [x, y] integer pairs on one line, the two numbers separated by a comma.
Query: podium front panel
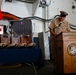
[[66, 53]]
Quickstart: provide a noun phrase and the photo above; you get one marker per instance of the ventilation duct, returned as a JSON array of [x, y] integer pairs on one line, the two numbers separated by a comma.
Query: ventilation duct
[[28, 1], [8, 0]]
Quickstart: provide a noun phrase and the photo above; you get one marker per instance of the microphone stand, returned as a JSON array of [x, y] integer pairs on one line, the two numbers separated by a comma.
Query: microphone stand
[[55, 27]]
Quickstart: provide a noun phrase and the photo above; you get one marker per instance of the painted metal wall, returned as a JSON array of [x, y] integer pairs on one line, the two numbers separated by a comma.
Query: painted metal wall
[[22, 9]]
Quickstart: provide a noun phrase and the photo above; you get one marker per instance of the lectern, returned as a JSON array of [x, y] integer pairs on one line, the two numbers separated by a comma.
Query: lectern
[[65, 58]]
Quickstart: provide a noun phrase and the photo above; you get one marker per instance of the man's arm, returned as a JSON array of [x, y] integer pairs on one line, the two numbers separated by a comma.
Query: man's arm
[[51, 31]]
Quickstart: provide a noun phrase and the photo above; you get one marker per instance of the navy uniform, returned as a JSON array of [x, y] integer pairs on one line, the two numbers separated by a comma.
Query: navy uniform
[[57, 26]]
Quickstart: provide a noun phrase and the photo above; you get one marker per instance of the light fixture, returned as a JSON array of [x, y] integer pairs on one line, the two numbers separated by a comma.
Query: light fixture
[[44, 3], [48, 2]]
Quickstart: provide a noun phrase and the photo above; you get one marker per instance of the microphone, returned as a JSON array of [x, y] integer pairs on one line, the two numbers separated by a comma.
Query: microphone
[[55, 27], [58, 25]]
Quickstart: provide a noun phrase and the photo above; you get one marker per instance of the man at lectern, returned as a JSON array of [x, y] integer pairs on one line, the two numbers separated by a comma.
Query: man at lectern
[[57, 26]]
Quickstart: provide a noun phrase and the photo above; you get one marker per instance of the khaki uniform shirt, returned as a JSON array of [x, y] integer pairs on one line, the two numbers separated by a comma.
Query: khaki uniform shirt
[[58, 28]]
